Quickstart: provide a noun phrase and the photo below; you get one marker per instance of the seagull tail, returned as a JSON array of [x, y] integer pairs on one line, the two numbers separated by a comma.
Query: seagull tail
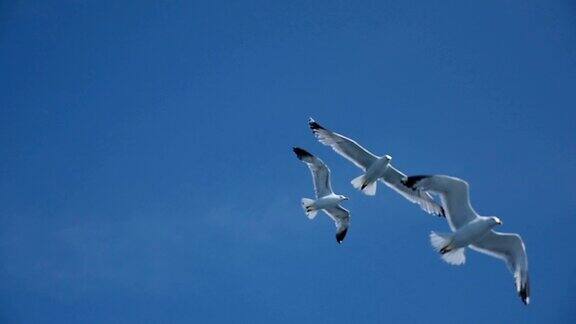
[[308, 205], [441, 243], [366, 188]]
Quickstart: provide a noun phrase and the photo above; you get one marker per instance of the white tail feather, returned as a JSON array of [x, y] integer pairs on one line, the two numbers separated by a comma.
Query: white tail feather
[[369, 189], [441, 241], [357, 182], [455, 257], [307, 205]]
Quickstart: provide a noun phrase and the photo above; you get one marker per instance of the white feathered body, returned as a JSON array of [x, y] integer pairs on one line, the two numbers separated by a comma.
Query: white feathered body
[[377, 169], [471, 232], [328, 201]]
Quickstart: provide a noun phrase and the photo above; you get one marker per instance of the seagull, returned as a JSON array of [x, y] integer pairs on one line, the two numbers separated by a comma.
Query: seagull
[[326, 199], [472, 230], [374, 167]]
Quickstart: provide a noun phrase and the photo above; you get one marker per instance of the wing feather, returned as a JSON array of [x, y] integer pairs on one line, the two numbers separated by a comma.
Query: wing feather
[[341, 218], [320, 172], [338, 214], [344, 146], [393, 178], [454, 194], [509, 248]]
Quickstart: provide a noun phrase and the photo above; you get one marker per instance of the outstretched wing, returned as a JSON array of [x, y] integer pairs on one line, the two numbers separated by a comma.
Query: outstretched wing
[[510, 248], [343, 146], [319, 170], [454, 194], [393, 178], [341, 217]]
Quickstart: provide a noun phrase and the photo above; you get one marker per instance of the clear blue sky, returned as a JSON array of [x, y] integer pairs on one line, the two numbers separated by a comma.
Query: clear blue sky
[[146, 172]]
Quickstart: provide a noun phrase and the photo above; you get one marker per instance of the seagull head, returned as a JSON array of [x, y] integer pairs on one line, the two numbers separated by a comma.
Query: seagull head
[[342, 197], [497, 220]]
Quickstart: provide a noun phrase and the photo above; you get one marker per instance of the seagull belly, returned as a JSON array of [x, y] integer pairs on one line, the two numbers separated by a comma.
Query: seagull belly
[[470, 233], [376, 170], [327, 202]]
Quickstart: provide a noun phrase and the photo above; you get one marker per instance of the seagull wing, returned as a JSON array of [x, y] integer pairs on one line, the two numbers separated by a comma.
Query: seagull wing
[[393, 178], [319, 170], [343, 146], [341, 217], [454, 194], [510, 248], [339, 214]]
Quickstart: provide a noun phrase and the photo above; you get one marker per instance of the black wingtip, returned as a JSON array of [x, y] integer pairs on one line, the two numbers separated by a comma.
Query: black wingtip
[[301, 153], [524, 297], [314, 125], [442, 212], [341, 235], [412, 180], [524, 293]]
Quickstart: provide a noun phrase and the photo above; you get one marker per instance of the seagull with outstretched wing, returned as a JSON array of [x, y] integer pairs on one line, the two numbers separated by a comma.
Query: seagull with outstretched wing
[[472, 230], [375, 168], [326, 199]]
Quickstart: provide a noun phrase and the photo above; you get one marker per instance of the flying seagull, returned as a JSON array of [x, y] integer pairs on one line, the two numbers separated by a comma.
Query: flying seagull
[[326, 199], [374, 167], [471, 230]]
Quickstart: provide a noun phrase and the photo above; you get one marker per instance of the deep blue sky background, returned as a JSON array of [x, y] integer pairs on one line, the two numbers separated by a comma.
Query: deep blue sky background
[[146, 171]]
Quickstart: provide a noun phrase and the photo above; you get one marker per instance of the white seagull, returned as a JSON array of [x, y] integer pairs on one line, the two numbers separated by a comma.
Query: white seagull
[[326, 199], [375, 168], [472, 230]]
